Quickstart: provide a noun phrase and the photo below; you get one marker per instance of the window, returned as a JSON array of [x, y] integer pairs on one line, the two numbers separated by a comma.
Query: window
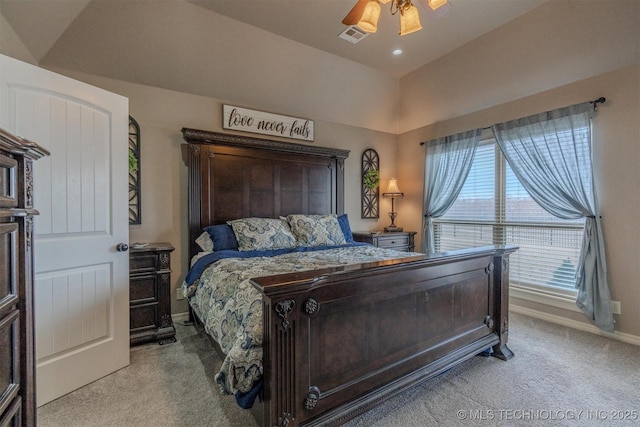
[[494, 208]]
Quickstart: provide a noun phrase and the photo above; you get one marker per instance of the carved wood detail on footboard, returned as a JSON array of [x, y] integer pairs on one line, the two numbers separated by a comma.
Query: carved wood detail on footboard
[[341, 340]]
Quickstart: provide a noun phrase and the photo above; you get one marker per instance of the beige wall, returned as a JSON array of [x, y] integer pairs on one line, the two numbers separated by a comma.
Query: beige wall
[[616, 152], [178, 45], [161, 115], [560, 54], [556, 44], [240, 65]]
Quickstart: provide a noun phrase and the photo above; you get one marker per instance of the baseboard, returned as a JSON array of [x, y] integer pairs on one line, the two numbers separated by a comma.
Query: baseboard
[[570, 323], [180, 317], [559, 299]]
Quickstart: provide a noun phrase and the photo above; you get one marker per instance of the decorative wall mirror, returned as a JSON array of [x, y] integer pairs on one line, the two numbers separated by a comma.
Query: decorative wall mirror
[[135, 216], [370, 184]]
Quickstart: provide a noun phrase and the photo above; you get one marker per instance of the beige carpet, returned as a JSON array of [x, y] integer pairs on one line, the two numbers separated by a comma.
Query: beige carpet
[[559, 377]]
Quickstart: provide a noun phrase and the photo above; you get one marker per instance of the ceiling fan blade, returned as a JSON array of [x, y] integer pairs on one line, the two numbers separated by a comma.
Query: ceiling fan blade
[[355, 14]]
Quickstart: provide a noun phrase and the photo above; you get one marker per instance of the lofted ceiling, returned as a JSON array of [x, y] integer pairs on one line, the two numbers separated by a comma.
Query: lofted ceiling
[[318, 23], [43, 24]]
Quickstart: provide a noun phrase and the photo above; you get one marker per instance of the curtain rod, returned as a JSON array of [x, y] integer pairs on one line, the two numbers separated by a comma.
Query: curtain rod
[[483, 129], [595, 103]]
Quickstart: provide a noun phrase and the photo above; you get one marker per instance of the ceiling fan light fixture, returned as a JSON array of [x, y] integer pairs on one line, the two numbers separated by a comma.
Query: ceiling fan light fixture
[[364, 15], [435, 4], [409, 21], [436, 8], [369, 19]]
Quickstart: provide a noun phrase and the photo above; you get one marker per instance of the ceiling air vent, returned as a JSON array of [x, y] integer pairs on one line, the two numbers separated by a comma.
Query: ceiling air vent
[[353, 34]]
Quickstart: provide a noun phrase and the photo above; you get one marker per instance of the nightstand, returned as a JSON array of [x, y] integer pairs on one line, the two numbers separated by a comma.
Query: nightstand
[[398, 240], [150, 294]]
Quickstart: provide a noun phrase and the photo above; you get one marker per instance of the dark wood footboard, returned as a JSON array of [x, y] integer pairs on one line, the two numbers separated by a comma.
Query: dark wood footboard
[[341, 340]]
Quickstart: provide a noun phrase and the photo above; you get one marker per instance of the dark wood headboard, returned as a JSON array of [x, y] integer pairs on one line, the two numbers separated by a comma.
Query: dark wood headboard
[[232, 176]]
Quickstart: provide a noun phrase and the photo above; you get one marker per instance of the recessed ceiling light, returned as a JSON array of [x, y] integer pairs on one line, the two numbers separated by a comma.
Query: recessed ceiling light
[[397, 52]]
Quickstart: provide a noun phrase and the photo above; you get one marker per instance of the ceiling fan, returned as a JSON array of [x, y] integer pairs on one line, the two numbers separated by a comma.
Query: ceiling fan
[[365, 13]]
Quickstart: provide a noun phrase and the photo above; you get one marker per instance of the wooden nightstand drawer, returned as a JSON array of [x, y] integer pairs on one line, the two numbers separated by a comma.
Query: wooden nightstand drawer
[[150, 294], [8, 171], [397, 240], [8, 274], [394, 241], [143, 262], [10, 357], [13, 415], [143, 289], [143, 317]]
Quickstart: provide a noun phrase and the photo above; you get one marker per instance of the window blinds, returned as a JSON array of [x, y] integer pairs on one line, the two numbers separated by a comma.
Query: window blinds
[[494, 208]]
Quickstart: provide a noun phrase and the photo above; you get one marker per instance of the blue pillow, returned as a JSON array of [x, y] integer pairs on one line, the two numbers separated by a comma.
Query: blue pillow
[[223, 237], [343, 220]]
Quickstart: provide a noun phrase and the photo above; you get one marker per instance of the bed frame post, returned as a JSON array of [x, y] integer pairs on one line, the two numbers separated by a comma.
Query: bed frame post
[[194, 197], [501, 299], [280, 376], [340, 186]]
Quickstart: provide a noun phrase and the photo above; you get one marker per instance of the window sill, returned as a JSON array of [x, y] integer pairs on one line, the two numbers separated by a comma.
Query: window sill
[[564, 299]]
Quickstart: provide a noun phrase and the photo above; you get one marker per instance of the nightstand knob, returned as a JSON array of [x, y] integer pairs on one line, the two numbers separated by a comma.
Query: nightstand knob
[[122, 247]]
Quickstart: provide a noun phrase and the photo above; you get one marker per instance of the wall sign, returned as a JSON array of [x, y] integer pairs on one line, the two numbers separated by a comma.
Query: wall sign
[[243, 119]]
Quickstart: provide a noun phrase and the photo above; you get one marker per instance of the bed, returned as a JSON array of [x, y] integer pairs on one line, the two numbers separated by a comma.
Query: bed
[[336, 338]]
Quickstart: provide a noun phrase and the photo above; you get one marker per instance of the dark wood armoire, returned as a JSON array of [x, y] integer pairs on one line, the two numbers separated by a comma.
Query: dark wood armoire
[[17, 355]]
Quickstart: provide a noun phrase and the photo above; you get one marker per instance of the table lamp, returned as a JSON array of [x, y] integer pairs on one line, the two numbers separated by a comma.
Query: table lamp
[[393, 191]]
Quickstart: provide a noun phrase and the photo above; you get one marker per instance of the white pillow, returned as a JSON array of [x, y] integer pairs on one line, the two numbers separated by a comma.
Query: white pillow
[[205, 242]]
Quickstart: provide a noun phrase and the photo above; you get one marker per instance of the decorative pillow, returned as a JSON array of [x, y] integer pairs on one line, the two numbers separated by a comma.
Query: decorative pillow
[[222, 237], [316, 230], [262, 234], [343, 220], [205, 242]]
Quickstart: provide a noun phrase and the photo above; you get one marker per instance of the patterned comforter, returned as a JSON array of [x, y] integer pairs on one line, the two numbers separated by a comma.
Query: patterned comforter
[[231, 308]]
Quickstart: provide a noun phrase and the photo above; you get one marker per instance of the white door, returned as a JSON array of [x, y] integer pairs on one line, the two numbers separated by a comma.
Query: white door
[[81, 191]]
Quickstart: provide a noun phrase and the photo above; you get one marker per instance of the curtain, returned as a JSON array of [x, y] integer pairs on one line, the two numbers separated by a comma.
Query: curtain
[[447, 164], [550, 153]]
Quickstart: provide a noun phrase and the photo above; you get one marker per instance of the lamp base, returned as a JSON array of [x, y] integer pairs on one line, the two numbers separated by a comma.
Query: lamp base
[[392, 229]]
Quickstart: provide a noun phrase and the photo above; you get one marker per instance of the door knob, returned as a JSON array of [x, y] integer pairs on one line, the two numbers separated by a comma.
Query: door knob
[[122, 247]]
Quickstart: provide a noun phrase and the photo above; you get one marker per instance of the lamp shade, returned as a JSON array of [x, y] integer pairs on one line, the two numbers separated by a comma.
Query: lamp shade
[[435, 4], [392, 189], [365, 15], [369, 19], [410, 21]]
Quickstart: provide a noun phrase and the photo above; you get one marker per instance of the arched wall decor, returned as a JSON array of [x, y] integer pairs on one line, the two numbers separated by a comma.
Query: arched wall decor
[[370, 184], [135, 215]]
